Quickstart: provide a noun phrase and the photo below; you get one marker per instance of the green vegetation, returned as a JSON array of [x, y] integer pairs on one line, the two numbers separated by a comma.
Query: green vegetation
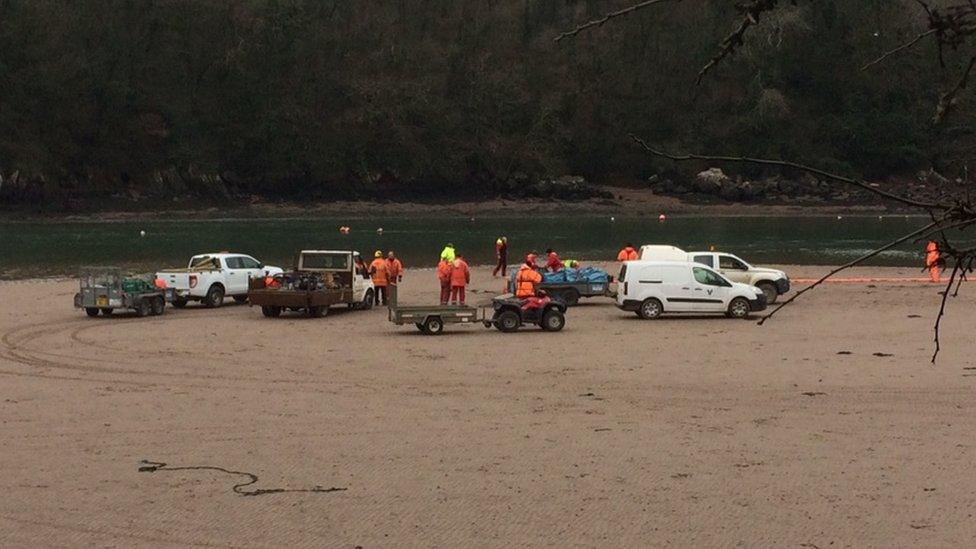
[[322, 99]]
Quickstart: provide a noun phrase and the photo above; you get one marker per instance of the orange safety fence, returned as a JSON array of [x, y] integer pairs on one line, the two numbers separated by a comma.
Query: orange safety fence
[[866, 280]]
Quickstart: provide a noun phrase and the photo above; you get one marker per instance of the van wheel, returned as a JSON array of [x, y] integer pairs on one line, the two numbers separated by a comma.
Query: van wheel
[[433, 325], [507, 321], [158, 306], [553, 321], [769, 289], [91, 311], [215, 296], [739, 308], [650, 309]]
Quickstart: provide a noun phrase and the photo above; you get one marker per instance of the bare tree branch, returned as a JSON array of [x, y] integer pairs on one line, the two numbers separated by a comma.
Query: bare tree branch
[[793, 165], [947, 101], [857, 261], [609, 16], [751, 13], [938, 319], [904, 46]]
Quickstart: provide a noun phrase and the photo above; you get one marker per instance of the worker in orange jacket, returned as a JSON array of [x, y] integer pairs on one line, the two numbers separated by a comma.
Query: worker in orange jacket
[[395, 269], [460, 277], [933, 260], [380, 272], [444, 269], [526, 278], [629, 253]]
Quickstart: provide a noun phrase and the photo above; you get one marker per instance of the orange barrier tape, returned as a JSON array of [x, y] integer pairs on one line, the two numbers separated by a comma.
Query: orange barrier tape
[[868, 280]]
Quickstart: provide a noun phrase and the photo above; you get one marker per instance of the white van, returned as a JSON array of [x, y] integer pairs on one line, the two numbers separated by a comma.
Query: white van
[[652, 288], [772, 282]]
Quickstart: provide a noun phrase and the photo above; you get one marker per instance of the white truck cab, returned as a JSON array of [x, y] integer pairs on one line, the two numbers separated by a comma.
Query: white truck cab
[[653, 288], [212, 277], [342, 264], [772, 282]]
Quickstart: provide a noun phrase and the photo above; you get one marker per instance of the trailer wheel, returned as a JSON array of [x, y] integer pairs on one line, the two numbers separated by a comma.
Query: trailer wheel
[[570, 296], [420, 327], [180, 302], [507, 321], [91, 311], [215, 296], [271, 312], [553, 321], [142, 307], [433, 325], [158, 305], [107, 312]]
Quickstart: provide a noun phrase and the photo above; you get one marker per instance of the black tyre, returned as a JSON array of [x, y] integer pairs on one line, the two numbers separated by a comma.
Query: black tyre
[[158, 306], [107, 312], [368, 300], [739, 308], [420, 326], [91, 311], [240, 299], [179, 302], [271, 312], [317, 312], [650, 309], [769, 289], [570, 296], [433, 325], [553, 321], [143, 308], [508, 321], [215, 296]]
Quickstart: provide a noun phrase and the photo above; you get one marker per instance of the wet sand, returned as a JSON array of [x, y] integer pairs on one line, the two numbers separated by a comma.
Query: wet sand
[[687, 432]]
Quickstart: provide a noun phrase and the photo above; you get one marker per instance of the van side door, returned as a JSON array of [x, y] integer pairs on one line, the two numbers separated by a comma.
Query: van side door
[[711, 290], [676, 288]]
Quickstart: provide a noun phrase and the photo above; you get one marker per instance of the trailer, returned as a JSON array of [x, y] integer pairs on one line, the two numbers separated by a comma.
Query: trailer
[[105, 289], [506, 313]]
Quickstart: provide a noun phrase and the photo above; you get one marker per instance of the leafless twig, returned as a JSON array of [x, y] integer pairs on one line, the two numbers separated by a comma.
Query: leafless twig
[[904, 46], [947, 100], [609, 16]]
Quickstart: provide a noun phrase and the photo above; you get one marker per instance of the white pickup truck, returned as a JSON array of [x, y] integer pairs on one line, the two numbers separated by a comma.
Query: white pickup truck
[[211, 277]]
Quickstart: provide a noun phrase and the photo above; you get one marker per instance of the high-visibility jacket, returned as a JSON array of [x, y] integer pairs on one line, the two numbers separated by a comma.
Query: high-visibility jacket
[[380, 272], [932, 255], [447, 253], [444, 269], [627, 254], [571, 263], [460, 274], [525, 281], [395, 269], [553, 263]]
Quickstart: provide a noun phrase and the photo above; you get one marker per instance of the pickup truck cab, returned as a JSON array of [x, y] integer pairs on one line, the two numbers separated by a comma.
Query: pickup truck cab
[[209, 278], [772, 282], [653, 288]]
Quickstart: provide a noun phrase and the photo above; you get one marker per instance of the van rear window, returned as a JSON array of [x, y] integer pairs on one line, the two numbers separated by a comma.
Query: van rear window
[[623, 273]]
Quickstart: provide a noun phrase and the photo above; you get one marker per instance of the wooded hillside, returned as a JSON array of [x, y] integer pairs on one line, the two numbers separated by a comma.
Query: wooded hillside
[[324, 99]]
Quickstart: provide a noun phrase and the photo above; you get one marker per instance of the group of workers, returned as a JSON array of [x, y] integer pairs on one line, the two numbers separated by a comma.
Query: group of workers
[[454, 276], [385, 272]]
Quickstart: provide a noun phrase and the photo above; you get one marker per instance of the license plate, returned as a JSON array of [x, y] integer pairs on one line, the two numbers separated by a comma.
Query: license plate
[[101, 301]]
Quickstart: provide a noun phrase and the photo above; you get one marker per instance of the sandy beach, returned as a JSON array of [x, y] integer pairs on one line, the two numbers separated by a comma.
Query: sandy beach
[[826, 427]]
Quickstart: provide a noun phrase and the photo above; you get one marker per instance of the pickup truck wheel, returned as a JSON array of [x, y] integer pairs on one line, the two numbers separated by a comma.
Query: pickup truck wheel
[[769, 289], [179, 302], [318, 312], [507, 321], [650, 309], [553, 321], [368, 300], [91, 311], [433, 325], [106, 312], [143, 307], [240, 299], [215, 296], [158, 306], [570, 296], [739, 308], [271, 312]]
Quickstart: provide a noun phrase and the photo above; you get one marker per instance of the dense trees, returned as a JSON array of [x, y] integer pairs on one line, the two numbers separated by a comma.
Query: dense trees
[[329, 98]]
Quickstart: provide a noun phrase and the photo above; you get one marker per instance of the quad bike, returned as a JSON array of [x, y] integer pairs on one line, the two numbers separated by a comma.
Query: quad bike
[[511, 312]]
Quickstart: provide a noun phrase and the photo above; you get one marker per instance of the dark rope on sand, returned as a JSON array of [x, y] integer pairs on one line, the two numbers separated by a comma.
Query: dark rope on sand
[[146, 466]]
